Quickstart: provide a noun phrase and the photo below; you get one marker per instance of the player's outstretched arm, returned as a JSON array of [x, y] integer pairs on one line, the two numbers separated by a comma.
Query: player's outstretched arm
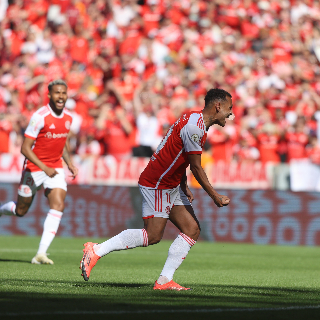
[[26, 150], [200, 175], [67, 159]]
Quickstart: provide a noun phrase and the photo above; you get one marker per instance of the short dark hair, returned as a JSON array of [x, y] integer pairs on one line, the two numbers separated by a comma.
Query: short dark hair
[[57, 82], [216, 94]]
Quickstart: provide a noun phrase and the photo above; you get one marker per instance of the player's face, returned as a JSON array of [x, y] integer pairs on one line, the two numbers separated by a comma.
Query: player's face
[[225, 111], [58, 97]]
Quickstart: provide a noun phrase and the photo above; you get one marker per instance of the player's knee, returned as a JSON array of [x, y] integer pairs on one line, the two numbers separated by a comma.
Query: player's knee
[[194, 232], [59, 206]]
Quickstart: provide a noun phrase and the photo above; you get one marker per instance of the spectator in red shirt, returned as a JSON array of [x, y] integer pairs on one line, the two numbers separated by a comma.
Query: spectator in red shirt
[[244, 152], [37, 13], [222, 142], [313, 150], [297, 139], [79, 46], [268, 141], [117, 131], [5, 129], [151, 16]]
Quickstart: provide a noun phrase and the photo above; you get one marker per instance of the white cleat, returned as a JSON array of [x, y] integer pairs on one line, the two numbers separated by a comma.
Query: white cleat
[[41, 258]]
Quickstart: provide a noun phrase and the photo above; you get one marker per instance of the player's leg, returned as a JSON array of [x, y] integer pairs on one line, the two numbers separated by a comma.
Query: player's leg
[[55, 191], [132, 238], [19, 208], [51, 224], [184, 219], [127, 239], [154, 225], [26, 192]]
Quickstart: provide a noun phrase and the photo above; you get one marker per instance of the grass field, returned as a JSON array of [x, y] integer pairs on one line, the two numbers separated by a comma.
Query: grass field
[[229, 281]]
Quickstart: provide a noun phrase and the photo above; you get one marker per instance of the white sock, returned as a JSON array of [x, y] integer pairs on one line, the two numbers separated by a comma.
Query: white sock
[[50, 228], [127, 239], [177, 253], [9, 209]]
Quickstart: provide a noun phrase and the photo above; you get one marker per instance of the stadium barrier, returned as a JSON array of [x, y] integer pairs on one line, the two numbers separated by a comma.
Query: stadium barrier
[[300, 175], [107, 170], [253, 216]]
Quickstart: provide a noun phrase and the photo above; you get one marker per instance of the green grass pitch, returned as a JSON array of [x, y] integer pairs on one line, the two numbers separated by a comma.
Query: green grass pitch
[[229, 281]]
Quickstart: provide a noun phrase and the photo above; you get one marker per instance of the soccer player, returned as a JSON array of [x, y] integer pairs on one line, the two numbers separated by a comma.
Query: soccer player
[[44, 145], [163, 185]]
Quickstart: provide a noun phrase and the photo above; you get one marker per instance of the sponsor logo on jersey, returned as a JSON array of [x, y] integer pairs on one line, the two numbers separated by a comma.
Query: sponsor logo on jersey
[[67, 124], [52, 126], [33, 122], [56, 135], [195, 138]]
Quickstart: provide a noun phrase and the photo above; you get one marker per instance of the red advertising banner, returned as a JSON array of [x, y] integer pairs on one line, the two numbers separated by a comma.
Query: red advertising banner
[[107, 170], [253, 216]]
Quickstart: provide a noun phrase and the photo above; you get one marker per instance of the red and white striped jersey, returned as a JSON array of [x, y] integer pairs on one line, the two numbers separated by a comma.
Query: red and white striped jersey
[[50, 133], [169, 162]]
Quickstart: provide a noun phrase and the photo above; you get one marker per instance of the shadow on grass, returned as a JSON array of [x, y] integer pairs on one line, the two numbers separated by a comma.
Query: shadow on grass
[[15, 260], [112, 296]]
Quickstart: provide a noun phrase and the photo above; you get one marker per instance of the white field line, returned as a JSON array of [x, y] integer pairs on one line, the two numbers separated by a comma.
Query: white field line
[[40, 313]]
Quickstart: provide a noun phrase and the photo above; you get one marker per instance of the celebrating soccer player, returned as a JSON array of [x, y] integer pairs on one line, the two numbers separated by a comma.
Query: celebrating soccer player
[[44, 145], [163, 185]]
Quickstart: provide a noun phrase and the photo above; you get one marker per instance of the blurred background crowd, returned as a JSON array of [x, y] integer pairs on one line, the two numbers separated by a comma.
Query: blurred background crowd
[[133, 67]]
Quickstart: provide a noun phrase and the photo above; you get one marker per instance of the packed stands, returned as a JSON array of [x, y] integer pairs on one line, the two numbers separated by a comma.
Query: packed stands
[[133, 67]]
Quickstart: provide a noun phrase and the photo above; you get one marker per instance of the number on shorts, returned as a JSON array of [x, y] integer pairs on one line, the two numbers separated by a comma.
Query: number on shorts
[[29, 181]]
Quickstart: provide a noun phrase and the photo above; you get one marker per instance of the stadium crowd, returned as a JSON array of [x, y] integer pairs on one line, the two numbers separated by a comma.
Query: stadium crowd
[[133, 67]]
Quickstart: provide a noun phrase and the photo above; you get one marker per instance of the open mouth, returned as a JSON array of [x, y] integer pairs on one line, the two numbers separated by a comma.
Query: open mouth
[[60, 103]]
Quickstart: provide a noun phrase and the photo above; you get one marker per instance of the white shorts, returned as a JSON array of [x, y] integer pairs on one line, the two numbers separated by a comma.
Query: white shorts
[[159, 202], [32, 181]]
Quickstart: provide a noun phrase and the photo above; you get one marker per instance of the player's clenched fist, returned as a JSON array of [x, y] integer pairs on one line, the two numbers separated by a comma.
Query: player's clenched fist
[[221, 200], [51, 172], [73, 170]]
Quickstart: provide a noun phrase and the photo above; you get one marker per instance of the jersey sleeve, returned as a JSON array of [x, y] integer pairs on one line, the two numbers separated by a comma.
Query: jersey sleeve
[[35, 125], [191, 136]]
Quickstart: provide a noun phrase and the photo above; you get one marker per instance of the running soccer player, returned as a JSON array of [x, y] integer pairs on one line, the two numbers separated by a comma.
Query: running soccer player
[[163, 185], [44, 145]]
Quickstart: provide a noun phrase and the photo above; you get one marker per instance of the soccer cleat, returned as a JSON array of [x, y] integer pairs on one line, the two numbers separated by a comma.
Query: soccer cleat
[[171, 285], [41, 258], [89, 260]]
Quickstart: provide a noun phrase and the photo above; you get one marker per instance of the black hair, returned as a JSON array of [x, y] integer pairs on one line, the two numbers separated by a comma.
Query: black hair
[[216, 94], [55, 83]]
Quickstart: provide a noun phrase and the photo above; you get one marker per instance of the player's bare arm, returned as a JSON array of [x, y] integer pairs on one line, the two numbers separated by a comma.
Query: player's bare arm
[[200, 175], [184, 187], [67, 159], [26, 150]]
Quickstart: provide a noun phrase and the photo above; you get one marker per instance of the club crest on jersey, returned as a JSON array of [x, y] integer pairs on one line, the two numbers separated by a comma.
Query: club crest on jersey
[[167, 209], [67, 124], [195, 138]]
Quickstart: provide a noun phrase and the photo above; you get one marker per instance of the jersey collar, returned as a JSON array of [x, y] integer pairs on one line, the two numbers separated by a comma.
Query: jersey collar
[[54, 114], [205, 127]]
